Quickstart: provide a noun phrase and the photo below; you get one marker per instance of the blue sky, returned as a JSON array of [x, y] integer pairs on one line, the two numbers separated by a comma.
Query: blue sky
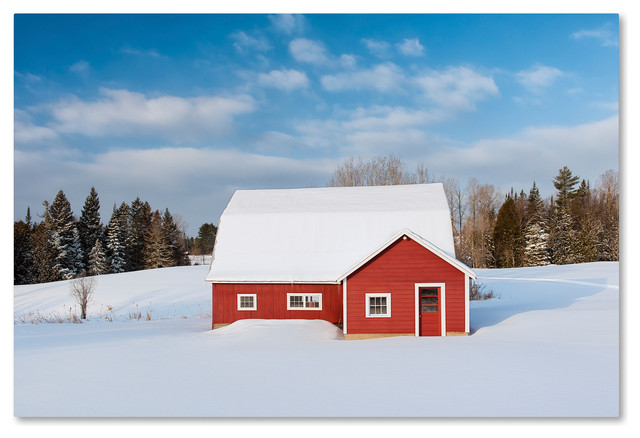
[[183, 109]]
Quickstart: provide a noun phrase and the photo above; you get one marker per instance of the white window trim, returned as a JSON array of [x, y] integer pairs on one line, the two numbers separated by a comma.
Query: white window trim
[[255, 302], [443, 310], [367, 305], [289, 295]]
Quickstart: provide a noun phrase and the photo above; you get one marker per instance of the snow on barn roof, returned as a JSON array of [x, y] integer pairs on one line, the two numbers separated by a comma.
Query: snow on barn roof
[[315, 235]]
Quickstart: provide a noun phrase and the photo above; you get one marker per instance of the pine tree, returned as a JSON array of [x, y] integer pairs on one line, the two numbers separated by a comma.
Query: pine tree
[[137, 238], [564, 182], [536, 251], [562, 239], [23, 260], [171, 237], [206, 238], [506, 235], [44, 253], [89, 225], [535, 206], [157, 254], [98, 263], [116, 240], [65, 239]]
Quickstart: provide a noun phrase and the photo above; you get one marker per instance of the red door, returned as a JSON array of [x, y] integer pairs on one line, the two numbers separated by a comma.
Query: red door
[[429, 312]]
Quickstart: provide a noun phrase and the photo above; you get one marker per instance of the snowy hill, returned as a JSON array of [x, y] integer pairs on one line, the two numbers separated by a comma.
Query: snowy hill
[[548, 346]]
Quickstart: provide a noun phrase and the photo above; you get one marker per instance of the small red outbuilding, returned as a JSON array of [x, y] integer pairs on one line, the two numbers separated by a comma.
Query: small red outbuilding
[[376, 260]]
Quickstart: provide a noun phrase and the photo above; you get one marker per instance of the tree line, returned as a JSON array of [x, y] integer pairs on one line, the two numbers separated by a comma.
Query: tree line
[[62, 247], [577, 224]]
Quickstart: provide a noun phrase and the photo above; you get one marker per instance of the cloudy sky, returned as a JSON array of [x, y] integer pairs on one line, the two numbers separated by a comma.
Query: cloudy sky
[[183, 110]]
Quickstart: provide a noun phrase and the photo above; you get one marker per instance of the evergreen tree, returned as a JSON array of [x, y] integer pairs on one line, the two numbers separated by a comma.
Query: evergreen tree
[[65, 239], [562, 238], [137, 238], [535, 206], [157, 253], [23, 260], [44, 253], [89, 225], [116, 239], [536, 251], [98, 263], [564, 182], [206, 238], [506, 234], [171, 237]]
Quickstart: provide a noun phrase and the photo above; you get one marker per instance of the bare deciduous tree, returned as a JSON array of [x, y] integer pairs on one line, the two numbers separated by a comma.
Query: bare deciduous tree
[[82, 290]]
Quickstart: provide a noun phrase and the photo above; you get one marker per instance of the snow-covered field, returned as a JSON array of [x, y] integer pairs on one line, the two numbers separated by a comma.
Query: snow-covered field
[[547, 347]]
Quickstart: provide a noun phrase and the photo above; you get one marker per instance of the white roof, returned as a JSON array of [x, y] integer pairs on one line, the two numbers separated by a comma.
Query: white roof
[[316, 235]]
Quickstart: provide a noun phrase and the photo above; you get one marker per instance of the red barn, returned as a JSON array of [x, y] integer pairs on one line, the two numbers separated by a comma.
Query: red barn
[[379, 261]]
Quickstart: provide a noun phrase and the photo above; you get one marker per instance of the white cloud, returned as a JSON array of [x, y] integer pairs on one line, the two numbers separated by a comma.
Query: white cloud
[[385, 77], [244, 42], [536, 153], [288, 23], [538, 78], [604, 35], [287, 80], [128, 50], [377, 48], [411, 47], [28, 134], [305, 50], [195, 183], [125, 113], [348, 61], [457, 88], [81, 67]]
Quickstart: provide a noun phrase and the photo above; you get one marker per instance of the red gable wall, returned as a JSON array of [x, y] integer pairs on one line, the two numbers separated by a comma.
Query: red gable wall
[[396, 270]]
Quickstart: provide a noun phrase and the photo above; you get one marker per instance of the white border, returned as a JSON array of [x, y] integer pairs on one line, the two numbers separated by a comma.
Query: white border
[[344, 306], [466, 303], [304, 295], [367, 305], [255, 302], [443, 310]]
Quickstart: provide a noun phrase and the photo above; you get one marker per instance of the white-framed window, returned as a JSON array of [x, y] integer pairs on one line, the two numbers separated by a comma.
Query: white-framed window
[[247, 302], [304, 301], [378, 305]]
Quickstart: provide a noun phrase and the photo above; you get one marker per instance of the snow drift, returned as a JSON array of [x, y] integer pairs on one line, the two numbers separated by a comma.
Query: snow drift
[[547, 347]]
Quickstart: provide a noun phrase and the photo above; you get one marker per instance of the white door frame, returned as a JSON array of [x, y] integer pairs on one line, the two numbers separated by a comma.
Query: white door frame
[[442, 309]]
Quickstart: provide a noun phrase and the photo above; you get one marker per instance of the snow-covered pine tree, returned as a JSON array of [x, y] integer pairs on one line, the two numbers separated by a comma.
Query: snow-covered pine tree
[[115, 242], [89, 225], [65, 239], [562, 239], [98, 263], [536, 251]]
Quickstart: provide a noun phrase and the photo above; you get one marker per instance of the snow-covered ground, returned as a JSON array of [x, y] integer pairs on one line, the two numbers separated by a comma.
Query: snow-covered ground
[[548, 346]]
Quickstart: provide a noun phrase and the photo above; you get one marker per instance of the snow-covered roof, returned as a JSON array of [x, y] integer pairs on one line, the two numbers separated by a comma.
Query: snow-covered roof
[[317, 234]]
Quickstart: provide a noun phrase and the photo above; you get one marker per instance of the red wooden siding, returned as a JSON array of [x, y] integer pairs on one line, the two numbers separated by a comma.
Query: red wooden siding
[[272, 302], [396, 270]]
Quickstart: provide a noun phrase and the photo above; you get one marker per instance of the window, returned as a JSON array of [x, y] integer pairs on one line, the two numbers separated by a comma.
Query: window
[[378, 305], [304, 301], [428, 300], [247, 302]]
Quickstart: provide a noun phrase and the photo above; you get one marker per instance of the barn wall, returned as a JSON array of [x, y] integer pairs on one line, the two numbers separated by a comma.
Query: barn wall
[[272, 302], [396, 270]]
